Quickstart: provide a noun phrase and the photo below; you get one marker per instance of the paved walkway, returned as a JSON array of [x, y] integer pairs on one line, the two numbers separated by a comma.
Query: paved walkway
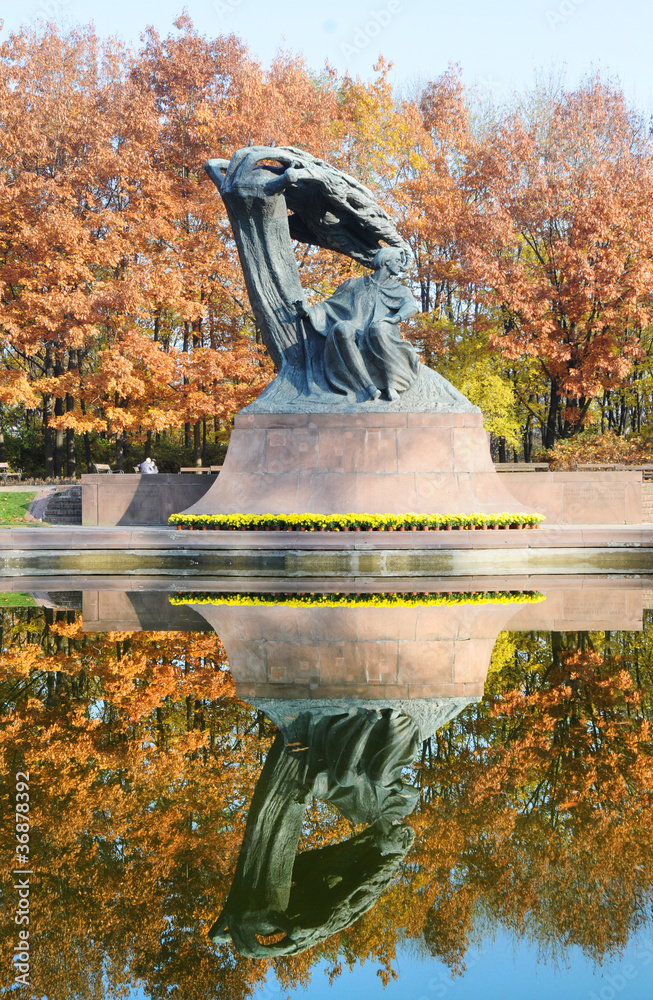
[[114, 537]]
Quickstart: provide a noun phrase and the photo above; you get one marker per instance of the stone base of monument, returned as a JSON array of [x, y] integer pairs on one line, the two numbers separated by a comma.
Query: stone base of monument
[[379, 463]]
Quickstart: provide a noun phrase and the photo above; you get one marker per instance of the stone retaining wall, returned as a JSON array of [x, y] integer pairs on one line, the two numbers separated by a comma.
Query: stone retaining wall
[[563, 497], [580, 497], [135, 499]]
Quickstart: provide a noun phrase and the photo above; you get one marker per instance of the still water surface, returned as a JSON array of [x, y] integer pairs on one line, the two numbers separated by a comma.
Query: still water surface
[[423, 796]]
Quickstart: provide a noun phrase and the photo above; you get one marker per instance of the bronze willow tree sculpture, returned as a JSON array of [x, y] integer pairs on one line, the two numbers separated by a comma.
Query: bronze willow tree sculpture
[[344, 354]]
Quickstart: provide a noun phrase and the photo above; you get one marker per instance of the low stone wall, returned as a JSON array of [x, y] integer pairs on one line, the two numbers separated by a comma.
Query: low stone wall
[[579, 497], [138, 500], [563, 497]]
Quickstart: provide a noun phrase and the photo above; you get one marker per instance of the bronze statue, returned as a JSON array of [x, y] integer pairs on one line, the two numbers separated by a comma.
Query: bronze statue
[[364, 351], [345, 354]]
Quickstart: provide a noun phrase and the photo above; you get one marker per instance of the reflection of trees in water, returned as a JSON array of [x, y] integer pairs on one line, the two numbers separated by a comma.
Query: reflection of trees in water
[[534, 809], [539, 801]]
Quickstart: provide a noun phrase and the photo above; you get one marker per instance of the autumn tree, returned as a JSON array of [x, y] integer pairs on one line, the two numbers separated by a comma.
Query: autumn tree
[[560, 243], [125, 312], [53, 134]]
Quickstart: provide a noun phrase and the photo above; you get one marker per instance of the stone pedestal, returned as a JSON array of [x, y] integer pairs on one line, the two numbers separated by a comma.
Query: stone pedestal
[[379, 463]]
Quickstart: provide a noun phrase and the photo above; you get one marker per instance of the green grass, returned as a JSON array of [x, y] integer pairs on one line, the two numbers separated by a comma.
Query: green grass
[[14, 506], [17, 601]]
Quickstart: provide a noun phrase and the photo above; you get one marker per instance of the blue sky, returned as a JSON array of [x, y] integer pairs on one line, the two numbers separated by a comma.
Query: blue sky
[[500, 970], [500, 44]]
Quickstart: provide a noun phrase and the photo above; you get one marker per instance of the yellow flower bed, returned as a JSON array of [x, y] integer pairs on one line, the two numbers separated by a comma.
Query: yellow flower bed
[[363, 600], [352, 522]]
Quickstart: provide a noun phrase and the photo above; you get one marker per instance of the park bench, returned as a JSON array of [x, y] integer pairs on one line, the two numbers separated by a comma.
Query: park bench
[[521, 467], [200, 468], [646, 470], [600, 467], [99, 467], [613, 467], [7, 473]]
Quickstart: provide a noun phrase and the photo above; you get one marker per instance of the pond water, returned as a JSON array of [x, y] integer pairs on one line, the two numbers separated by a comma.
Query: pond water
[[292, 792]]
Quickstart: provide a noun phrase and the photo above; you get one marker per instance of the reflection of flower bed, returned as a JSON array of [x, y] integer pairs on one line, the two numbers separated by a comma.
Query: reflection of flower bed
[[363, 600], [353, 522]]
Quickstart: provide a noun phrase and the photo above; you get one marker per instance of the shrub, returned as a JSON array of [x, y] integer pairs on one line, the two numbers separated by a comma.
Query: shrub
[[605, 449]]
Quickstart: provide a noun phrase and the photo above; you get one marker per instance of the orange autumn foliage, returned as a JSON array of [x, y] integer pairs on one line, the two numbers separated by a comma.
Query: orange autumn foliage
[[124, 312]]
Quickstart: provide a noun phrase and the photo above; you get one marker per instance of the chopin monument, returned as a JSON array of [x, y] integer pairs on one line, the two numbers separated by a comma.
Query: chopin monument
[[352, 422]]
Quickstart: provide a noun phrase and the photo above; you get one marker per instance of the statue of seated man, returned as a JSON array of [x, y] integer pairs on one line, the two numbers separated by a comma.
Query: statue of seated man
[[364, 353]]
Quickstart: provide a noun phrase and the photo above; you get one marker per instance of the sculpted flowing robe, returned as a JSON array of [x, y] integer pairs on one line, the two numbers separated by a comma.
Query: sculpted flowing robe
[[362, 348]]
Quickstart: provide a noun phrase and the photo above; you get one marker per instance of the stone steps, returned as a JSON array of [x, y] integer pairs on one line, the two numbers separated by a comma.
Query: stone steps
[[64, 507]]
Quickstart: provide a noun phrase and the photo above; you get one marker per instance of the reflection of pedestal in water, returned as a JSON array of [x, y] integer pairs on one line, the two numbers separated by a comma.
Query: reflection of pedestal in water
[[362, 653], [571, 605]]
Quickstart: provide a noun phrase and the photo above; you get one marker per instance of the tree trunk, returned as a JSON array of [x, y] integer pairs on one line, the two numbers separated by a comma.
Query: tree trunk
[[185, 348], [71, 458], [528, 440], [550, 429], [58, 439], [120, 452], [197, 443], [82, 403], [48, 404], [47, 437], [87, 443]]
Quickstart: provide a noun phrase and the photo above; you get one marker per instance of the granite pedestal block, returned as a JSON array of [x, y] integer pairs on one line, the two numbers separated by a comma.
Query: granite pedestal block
[[334, 463]]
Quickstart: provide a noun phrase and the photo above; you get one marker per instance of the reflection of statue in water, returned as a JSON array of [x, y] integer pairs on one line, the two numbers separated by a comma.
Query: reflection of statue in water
[[280, 904], [364, 351]]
